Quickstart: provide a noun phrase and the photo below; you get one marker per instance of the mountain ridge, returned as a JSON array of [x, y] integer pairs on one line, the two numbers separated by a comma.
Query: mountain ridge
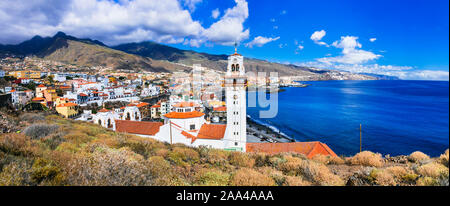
[[154, 57]]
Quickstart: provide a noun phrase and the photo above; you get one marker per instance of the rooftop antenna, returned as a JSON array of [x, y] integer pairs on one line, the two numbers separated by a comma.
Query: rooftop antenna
[[235, 47]]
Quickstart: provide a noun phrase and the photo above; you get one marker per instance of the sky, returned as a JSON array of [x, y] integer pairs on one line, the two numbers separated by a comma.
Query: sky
[[404, 38]]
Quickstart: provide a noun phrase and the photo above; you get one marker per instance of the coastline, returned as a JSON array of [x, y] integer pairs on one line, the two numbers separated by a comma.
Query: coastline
[[260, 132]]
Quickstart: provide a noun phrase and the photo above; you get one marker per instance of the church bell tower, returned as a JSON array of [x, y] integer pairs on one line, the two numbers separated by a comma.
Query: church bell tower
[[235, 83]]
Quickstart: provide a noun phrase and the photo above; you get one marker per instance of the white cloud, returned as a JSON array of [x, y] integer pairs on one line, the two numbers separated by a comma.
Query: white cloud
[[230, 29], [350, 52], [260, 41], [372, 39], [192, 4], [272, 20], [317, 36], [300, 47], [215, 13], [275, 27], [118, 22], [283, 12]]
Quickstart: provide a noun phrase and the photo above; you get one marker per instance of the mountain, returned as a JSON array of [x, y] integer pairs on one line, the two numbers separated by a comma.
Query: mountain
[[151, 56], [84, 52], [216, 62]]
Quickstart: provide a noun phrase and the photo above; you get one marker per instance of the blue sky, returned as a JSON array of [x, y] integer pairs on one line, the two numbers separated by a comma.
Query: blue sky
[[408, 39]]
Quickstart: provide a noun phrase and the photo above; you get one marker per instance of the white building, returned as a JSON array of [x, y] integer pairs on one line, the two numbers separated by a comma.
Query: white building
[[188, 126]]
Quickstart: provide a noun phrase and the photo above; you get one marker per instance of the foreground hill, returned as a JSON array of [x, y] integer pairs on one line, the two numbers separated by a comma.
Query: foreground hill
[[50, 150]]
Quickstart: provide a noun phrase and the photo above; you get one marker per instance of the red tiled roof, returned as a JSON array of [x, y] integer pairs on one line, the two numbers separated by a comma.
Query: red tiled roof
[[103, 110], [70, 104], [184, 115], [83, 94], [310, 149], [156, 106], [138, 127], [143, 104], [212, 131], [41, 85], [220, 109]]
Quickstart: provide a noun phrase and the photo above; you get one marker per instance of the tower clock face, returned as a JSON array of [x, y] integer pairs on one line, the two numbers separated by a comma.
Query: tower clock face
[[235, 96]]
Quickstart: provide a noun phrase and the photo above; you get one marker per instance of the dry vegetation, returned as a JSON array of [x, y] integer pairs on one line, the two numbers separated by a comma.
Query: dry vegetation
[[50, 150]]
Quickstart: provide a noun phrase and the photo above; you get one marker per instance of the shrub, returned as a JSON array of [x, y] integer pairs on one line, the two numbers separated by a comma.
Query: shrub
[[398, 171], [37, 131], [418, 157], [324, 159], [444, 158], [382, 177], [336, 161], [240, 159], [427, 181], [295, 181], [273, 173], [46, 173], [216, 157], [16, 174], [319, 173], [53, 140], [32, 117], [212, 177], [367, 158], [433, 170], [291, 165], [179, 155], [13, 143], [250, 177], [108, 167]]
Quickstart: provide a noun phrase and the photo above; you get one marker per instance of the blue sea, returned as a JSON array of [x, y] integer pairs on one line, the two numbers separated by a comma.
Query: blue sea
[[397, 117]]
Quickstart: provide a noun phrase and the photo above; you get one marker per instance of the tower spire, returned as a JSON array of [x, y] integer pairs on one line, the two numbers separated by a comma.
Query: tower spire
[[235, 47]]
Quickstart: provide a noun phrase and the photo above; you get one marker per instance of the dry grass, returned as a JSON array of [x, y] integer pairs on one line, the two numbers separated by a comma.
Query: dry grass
[[383, 177], [240, 159], [444, 158], [319, 174], [336, 161], [295, 181], [427, 181], [250, 177], [418, 157], [433, 170], [367, 158]]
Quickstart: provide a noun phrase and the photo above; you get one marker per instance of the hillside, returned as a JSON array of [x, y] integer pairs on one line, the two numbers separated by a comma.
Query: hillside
[[216, 62], [50, 150], [150, 56], [86, 52]]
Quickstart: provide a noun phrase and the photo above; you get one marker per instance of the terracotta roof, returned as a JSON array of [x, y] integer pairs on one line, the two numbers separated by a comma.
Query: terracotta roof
[[143, 104], [38, 99], [184, 115], [156, 106], [12, 90], [41, 85], [83, 94], [186, 104], [70, 104], [310, 149], [212, 131], [103, 110], [131, 105], [220, 109], [138, 127]]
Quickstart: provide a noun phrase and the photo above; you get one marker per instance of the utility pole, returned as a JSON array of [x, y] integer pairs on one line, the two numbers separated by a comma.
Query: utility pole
[[360, 138]]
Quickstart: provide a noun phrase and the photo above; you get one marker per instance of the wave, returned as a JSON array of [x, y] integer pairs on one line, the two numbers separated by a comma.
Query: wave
[[271, 127]]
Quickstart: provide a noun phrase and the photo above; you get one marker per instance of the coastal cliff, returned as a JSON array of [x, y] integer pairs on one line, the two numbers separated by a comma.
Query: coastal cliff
[[50, 150]]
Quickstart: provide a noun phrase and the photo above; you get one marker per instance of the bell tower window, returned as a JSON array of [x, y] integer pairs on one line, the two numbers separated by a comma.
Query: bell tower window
[[237, 67]]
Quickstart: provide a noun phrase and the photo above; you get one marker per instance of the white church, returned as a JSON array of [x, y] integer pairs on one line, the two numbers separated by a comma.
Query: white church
[[186, 125]]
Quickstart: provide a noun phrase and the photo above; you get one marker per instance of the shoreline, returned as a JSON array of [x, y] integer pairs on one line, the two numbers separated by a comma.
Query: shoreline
[[257, 132]]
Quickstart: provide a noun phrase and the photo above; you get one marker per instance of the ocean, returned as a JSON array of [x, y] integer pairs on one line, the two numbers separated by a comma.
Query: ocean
[[397, 117]]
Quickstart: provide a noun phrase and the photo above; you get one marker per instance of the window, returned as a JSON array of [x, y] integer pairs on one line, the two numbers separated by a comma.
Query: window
[[235, 144], [237, 67], [192, 127]]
